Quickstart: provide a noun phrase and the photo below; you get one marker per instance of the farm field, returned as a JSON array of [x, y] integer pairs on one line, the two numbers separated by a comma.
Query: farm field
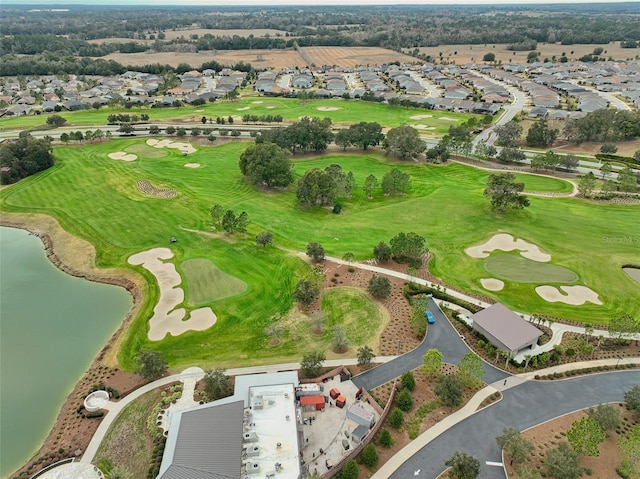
[[347, 57], [291, 109], [474, 53], [445, 203]]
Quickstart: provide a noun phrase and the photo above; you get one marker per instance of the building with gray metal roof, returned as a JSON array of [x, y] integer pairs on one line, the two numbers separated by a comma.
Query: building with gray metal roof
[[505, 329]]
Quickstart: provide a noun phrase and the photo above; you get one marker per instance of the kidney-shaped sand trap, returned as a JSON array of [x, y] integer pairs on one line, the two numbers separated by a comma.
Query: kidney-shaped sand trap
[[492, 284], [328, 108], [167, 319], [506, 242], [574, 295], [420, 117], [122, 155], [184, 147]]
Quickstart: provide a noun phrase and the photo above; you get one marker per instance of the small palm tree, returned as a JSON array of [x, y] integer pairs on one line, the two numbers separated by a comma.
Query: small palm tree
[[118, 472]]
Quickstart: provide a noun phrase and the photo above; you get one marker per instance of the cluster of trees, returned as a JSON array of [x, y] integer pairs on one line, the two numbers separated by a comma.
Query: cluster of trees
[[322, 187], [627, 182], [361, 134], [267, 165], [116, 118], [306, 135], [227, 219], [403, 143], [246, 118], [541, 135], [24, 157], [604, 125]]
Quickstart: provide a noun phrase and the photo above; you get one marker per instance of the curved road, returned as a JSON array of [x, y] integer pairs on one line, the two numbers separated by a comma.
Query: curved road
[[522, 407]]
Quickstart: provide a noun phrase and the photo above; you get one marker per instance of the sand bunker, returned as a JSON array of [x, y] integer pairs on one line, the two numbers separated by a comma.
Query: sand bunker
[[244, 108], [270, 107], [447, 118], [328, 108], [574, 295], [492, 284], [420, 126], [167, 319], [192, 165], [506, 242], [184, 147], [259, 102], [122, 155], [421, 117]]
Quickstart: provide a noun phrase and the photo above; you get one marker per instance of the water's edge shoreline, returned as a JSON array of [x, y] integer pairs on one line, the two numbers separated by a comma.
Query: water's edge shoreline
[[81, 265]]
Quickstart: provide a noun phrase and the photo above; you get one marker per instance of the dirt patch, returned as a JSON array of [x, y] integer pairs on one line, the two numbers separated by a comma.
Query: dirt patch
[[354, 56], [492, 284], [549, 434], [506, 242], [145, 186], [574, 295]]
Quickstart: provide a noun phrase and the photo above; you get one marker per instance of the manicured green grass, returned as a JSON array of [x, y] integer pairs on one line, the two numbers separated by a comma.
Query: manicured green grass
[[348, 111], [146, 151], [207, 283], [543, 184], [96, 198], [127, 444], [513, 267]]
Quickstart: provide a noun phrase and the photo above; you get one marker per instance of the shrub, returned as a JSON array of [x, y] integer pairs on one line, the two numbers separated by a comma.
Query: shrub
[[369, 456], [385, 438], [396, 418], [404, 400], [408, 381]]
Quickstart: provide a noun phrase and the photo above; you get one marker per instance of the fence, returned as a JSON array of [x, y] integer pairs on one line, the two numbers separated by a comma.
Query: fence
[[51, 466]]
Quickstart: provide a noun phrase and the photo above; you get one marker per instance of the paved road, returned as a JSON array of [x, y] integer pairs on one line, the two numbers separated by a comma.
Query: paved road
[[441, 336], [522, 407]]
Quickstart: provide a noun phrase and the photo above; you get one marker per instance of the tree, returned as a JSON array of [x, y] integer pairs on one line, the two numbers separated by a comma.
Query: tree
[[396, 418], [266, 164], [404, 400], [24, 157], [514, 445], [395, 181], [348, 257], [216, 384], [385, 438], [349, 471], [623, 325], [126, 128], [627, 180], [369, 456], [587, 184], [489, 57], [379, 287], [471, 370], [508, 134], [509, 154], [216, 214], [449, 390], [606, 415], [404, 143], [151, 364], [382, 252], [56, 120], [570, 161], [463, 466], [562, 462], [528, 473], [606, 169], [312, 363], [408, 247], [432, 361], [541, 135], [264, 238], [315, 251], [340, 340], [242, 222], [408, 381], [316, 187], [609, 149], [504, 192], [365, 355], [170, 130], [306, 291], [343, 139], [228, 221], [370, 183], [366, 134], [632, 398]]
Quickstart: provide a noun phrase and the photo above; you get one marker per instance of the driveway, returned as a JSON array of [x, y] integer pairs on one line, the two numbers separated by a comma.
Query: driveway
[[441, 336], [522, 407]]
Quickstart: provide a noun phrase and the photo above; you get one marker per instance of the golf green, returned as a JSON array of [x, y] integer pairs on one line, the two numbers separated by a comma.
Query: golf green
[[513, 267]]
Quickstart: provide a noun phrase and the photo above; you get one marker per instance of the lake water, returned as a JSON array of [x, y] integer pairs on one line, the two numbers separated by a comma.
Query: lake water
[[51, 327]]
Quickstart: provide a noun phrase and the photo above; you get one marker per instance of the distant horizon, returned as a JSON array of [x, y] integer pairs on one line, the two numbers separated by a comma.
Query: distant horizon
[[299, 3]]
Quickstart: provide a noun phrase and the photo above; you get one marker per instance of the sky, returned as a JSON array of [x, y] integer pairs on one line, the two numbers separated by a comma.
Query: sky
[[300, 2]]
